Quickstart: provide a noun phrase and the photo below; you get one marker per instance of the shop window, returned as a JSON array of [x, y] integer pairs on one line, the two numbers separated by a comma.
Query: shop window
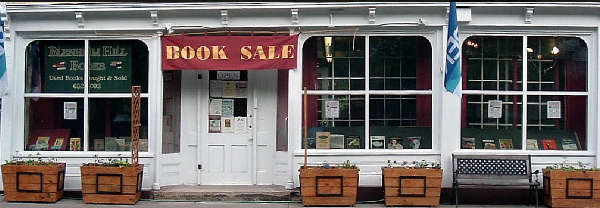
[[555, 121], [398, 96], [171, 112], [281, 143], [57, 100], [110, 124]]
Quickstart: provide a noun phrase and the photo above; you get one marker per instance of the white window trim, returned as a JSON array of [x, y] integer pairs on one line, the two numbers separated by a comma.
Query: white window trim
[[524, 93], [366, 93], [86, 95]]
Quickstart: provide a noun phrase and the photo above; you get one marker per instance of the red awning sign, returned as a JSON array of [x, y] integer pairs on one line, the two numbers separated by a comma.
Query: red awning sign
[[228, 52]]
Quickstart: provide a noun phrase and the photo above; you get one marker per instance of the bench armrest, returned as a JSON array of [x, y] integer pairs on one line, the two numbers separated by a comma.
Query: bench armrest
[[536, 172]]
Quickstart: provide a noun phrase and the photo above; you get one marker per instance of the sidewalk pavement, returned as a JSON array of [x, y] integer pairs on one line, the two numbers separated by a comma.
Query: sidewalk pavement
[[76, 203]]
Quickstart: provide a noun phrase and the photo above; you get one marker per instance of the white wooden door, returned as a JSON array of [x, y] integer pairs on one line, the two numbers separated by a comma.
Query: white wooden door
[[245, 157]]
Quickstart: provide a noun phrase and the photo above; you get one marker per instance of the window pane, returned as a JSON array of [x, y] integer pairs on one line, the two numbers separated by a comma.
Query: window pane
[[556, 64], [54, 124], [400, 122], [171, 112], [331, 127], [556, 122], [334, 63], [54, 66], [399, 63], [491, 122], [493, 63], [116, 65], [110, 124]]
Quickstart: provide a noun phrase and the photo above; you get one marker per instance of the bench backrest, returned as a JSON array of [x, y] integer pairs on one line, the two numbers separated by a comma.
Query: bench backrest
[[492, 166]]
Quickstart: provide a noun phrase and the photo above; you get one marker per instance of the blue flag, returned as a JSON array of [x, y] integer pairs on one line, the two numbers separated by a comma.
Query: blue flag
[[3, 77], [453, 74]]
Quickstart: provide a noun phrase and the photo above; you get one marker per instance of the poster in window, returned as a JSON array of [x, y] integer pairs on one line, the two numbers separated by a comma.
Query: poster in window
[[332, 109], [214, 124], [489, 144], [241, 125], [553, 109], [110, 66], [215, 88], [227, 124], [494, 109], [228, 75], [241, 89], [568, 144], [229, 89], [532, 144], [215, 107], [70, 110], [414, 142], [506, 144], [227, 108], [394, 143], [468, 143], [549, 144]]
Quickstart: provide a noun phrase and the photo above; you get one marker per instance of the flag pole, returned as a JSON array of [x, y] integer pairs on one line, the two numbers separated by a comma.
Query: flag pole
[[305, 132]]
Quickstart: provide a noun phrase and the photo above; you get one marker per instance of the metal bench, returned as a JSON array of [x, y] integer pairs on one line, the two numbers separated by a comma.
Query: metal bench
[[493, 170]]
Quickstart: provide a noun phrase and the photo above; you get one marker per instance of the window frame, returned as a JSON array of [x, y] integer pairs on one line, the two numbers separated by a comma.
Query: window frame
[[429, 37], [21, 95], [524, 92]]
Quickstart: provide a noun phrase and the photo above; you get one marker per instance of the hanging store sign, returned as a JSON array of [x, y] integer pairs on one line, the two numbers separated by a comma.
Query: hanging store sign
[[228, 52]]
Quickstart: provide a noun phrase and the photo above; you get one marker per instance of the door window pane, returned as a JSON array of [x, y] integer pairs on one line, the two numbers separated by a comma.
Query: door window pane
[[110, 124], [54, 124], [556, 64], [556, 122], [54, 66]]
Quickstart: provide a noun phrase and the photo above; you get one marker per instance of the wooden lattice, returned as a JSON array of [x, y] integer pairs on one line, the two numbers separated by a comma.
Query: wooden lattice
[[135, 123]]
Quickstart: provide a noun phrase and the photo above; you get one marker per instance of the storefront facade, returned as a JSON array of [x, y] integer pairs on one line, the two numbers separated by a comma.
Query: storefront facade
[[373, 74]]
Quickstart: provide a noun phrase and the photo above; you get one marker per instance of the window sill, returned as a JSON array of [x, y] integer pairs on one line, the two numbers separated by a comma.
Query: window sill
[[524, 152], [362, 152], [80, 154]]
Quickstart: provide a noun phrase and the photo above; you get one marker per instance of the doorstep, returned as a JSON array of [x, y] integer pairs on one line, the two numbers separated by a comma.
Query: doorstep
[[226, 193]]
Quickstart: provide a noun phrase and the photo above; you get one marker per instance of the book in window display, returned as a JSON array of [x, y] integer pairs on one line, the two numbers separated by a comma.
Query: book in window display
[[120, 144], [377, 142], [489, 144], [58, 144], [568, 144], [144, 145], [532, 144], [394, 143], [414, 142], [127, 146], [506, 144], [99, 144], [549, 144], [352, 142], [42, 143], [323, 140], [110, 144], [75, 144], [312, 143], [468, 143], [337, 141]]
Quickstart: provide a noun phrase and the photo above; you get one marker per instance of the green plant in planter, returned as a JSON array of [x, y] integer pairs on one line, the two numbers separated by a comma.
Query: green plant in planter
[[414, 164], [31, 161], [565, 165], [110, 162], [347, 165]]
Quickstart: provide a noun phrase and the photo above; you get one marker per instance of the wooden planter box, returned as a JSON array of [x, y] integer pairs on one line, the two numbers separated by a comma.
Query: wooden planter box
[[33, 183], [328, 187], [578, 188], [111, 185], [412, 186]]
